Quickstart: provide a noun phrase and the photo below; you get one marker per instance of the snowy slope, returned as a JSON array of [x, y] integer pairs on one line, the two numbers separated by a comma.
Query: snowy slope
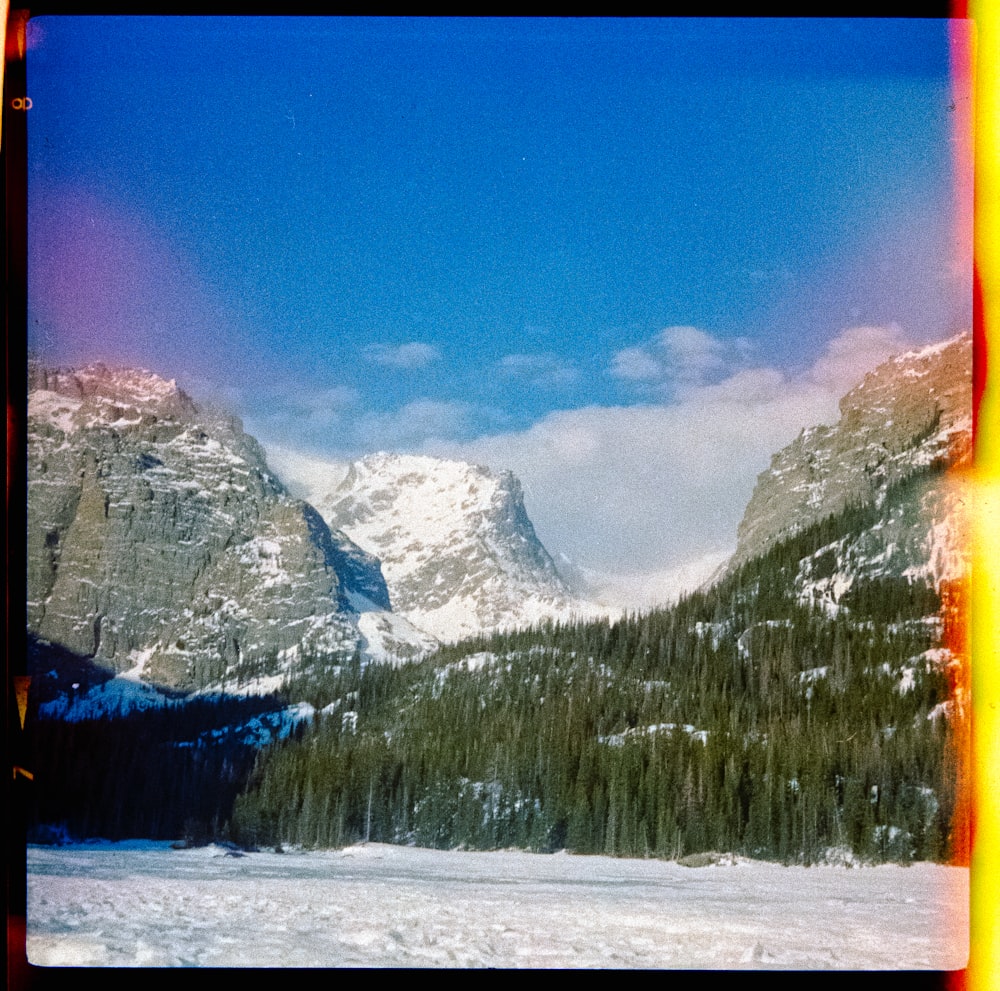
[[457, 549]]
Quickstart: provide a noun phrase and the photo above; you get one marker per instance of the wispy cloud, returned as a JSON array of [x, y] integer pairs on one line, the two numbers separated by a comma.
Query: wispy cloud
[[322, 404], [638, 492], [543, 370], [419, 422], [648, 589], [292, 414], [854, 352], [637, 365], [415, 354], [681, 358], [645, 489]]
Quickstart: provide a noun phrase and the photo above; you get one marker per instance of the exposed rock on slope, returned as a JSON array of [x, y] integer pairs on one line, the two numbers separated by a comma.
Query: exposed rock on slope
[[158, 539], [911, 413], [458, 551]]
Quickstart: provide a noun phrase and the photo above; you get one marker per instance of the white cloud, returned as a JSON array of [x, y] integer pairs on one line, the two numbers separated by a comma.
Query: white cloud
[[542, 370], [208, 392], [410, 425], [854, 352], [296, 417], [288, 414], [323, 406], [282, 412], [679, 358], [416, 354], [647, 589], [644, 497], [636, 364], [641, 488], [306, 476], [644, 490], [691, 354]]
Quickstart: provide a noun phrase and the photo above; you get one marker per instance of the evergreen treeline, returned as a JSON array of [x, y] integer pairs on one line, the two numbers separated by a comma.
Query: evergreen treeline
[[741, 720], [807, 736]]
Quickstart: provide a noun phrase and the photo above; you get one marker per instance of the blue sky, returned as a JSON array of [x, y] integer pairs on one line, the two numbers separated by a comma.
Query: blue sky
[[447, 235]]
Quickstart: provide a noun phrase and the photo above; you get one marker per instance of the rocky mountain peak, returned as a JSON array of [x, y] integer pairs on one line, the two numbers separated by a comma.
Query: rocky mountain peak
[[126, 398], [160, 542], [912, 412], [123, 394], [921, 398], [457, 548]]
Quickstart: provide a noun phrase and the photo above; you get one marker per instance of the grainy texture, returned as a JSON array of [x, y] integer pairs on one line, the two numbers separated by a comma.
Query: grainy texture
[[159, 540], [382, 906]]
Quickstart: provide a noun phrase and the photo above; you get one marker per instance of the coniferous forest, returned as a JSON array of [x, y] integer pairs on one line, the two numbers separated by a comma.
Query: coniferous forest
[[746, 719]]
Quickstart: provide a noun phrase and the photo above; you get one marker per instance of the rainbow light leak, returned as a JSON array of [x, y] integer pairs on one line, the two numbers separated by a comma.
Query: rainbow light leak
[[984, 957]]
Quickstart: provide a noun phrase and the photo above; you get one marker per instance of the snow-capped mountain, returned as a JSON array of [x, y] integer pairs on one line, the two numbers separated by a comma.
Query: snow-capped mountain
[[457, 548], [903, 436], [159, 542]]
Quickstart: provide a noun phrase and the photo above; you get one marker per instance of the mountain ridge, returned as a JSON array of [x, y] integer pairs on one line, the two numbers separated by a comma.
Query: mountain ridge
[[809, 707], [131, 480], [159, 540], [458, 550], [911, 411]]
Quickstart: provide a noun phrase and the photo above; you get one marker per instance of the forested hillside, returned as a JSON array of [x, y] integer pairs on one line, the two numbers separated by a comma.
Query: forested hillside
[[748, 718], [812, 704]]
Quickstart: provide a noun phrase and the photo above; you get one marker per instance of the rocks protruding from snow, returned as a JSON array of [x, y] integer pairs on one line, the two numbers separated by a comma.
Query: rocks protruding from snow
[[391, 638], [457, 548], [362, 587], [159, 541], [913, 411]]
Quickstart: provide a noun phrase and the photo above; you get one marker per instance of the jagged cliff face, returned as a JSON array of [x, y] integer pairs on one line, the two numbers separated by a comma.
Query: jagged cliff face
[[912, 412], [159, 541], [458, 551]]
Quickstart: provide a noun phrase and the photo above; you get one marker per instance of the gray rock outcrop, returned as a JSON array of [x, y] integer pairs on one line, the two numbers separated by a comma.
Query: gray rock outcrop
[[159, 541], [912, 412]]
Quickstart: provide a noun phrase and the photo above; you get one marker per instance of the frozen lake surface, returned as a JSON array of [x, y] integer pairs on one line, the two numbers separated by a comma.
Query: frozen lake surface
[[144, 904]]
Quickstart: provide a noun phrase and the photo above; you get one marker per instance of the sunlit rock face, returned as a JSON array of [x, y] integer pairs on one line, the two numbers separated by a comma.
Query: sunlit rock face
[[159, 540], [911, 413], [457, 548]]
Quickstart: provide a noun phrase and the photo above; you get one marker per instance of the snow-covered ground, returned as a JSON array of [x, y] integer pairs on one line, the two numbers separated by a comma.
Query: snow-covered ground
[[144, 904]]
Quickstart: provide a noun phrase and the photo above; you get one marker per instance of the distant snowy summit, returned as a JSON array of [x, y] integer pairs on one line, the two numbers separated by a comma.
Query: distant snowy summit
[[163, 546], [459, 554], [909, 420]]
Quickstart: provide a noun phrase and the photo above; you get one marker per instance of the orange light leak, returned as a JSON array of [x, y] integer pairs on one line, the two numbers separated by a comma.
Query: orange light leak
[[984, 959]]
